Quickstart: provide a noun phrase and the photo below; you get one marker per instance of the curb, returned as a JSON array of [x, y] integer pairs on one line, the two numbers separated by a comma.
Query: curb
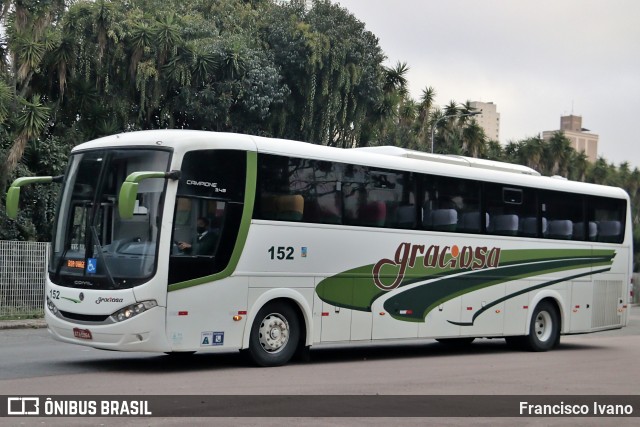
[[23, 324]]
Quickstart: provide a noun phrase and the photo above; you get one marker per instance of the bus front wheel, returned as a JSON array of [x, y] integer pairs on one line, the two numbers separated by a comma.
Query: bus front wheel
[[544, 332], [274, 335]]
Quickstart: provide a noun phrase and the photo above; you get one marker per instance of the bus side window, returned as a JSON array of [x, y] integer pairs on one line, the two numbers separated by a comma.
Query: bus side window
[[564, 215], [606, 219], [512, 211], [451, 204], [207, 218]]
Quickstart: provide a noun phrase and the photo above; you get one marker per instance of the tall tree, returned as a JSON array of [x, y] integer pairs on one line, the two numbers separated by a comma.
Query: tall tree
[[559, 153], [427, 100], [30, 36], [532, 152], [473, 140]]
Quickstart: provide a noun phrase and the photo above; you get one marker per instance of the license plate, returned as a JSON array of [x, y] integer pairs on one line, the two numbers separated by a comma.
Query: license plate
[[83, 334]]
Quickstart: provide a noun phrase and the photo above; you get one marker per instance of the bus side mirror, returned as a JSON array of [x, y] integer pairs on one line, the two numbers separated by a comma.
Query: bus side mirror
[[13, 194], [129, 190]]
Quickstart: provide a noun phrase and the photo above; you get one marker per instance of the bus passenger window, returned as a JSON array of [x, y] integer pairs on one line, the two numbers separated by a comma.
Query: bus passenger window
[[451, 204], [511, 211], [564, 215], [606, 219]]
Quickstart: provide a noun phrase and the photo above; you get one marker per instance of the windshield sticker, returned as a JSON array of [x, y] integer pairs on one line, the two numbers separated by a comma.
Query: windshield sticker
[[92, 265]]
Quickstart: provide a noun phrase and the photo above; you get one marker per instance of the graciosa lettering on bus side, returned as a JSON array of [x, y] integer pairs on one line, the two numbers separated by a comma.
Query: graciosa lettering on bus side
[[434, 256]]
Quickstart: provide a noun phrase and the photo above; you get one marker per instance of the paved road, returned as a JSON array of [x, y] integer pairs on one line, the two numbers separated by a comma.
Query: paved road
[[595, 364]]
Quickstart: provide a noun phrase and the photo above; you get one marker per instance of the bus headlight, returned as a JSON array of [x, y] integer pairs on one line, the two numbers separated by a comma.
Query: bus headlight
[[133, 310]]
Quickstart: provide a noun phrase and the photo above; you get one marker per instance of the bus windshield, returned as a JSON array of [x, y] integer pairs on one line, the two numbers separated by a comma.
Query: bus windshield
[[93, 247]]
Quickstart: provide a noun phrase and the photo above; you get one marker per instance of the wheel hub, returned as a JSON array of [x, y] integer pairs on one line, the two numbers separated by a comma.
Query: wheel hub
[[274, 333], [543, 326]]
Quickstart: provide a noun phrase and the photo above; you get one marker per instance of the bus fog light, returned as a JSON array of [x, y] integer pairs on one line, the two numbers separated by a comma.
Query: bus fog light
[[133, 310]]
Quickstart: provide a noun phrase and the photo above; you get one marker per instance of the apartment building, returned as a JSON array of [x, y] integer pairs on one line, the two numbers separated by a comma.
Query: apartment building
[[581, 139], [489, 119]]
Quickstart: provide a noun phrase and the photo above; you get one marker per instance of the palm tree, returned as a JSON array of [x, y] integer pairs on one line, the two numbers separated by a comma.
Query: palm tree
[[30, 36], [396, 79], [494, 151], [31, 121], [451, 109], [578, 165], [599, 172], [394, 94], [532, 151], [424, 110], [512, 152], [559, 153], [473, 140]]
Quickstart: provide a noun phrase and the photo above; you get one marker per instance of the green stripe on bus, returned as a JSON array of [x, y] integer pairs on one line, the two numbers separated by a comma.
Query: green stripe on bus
[[243, 232], [355, 288], [524, 291], [424, 298]]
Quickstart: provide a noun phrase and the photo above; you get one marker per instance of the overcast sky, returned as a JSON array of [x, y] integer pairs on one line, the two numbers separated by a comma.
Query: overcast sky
[[535, 59]]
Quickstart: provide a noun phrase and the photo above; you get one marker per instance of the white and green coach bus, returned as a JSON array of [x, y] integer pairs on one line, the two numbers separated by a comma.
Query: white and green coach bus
[[307, 244]]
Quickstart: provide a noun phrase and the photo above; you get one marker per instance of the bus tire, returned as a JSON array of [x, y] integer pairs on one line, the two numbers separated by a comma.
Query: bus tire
[[544, 331], [275, 334]]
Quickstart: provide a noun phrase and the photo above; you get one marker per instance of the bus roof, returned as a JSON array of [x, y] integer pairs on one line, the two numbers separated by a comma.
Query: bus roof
[[383, 157], [447, 165]]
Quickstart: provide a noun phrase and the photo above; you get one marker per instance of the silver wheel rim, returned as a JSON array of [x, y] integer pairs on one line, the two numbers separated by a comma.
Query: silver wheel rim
[[543, 326], [273, 333]]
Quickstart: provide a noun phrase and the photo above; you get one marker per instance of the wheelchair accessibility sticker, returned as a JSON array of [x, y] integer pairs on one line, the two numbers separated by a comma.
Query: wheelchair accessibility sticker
[[211, 338], [92, 265]]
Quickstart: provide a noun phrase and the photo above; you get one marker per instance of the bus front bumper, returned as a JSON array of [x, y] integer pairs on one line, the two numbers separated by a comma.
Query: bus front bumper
[[144, 332]]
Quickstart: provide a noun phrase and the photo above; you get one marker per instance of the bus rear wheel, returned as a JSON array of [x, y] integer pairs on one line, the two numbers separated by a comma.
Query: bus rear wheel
[[544, 332], [275, 334]]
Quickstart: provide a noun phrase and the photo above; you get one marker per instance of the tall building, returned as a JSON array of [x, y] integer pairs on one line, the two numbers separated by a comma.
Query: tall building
[[489, 119], [581, 139]]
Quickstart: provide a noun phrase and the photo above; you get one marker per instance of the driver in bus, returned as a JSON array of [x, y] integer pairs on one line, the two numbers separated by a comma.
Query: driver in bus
[[205, 241]]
